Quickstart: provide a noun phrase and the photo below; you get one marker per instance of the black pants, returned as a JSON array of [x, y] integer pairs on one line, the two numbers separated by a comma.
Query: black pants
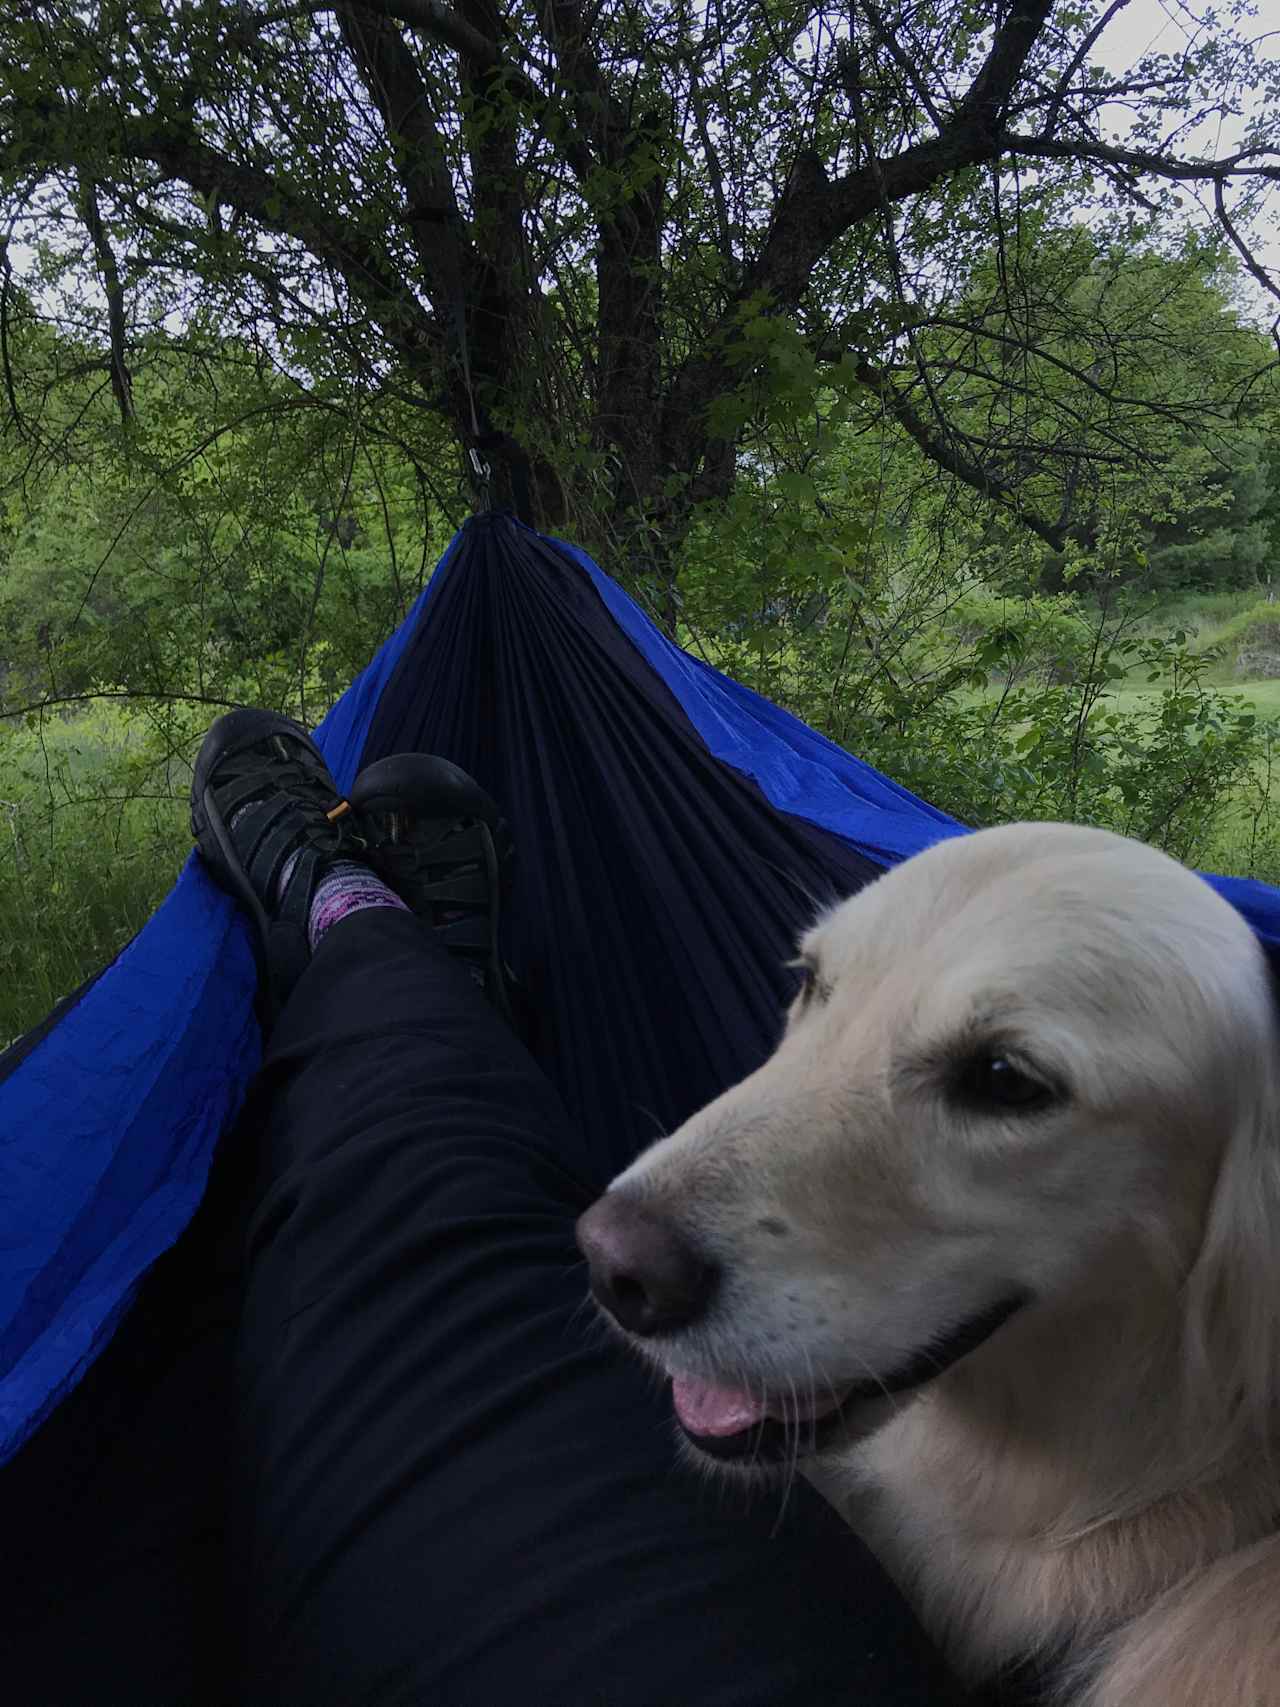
[[390, 1458]]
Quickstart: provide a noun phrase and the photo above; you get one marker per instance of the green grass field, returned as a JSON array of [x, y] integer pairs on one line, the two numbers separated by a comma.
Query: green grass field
[[1264, 696]]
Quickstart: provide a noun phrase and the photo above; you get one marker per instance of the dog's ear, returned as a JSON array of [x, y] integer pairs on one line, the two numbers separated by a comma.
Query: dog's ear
[[1232, 1298]]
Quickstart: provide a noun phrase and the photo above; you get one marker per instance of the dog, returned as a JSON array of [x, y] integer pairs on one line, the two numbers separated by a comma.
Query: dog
[[990, 1246]]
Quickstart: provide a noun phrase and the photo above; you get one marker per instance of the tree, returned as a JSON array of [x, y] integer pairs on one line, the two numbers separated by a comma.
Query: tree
[[1217, 537], [1137, 400], [593, 237]]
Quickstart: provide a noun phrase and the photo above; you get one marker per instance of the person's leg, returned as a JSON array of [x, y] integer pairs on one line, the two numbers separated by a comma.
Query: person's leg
[[451, 1488]]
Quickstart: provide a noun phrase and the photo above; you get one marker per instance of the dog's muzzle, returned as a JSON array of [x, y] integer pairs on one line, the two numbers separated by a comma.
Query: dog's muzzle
[[647, 1275]]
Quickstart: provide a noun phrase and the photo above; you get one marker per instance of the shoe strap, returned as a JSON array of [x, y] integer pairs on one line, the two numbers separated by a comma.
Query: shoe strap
[[240, 791], [463, 888], [268, 833], [294, 906]]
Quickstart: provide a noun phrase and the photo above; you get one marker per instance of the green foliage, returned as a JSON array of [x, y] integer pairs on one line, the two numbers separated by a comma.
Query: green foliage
[[1046, 636], [1051, 733], [993, 705], [238, 542], [249, 538], [265, 560], [91, 837], [1214, 533]]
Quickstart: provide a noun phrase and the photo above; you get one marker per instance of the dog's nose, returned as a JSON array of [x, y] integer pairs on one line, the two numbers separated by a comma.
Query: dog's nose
[[644, 1272]]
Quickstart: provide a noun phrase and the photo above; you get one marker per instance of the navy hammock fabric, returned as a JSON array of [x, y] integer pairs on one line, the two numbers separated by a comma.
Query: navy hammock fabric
[[675, 832]]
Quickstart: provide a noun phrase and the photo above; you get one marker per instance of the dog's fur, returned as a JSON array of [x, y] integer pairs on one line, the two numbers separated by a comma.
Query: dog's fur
[[1098, 1484]]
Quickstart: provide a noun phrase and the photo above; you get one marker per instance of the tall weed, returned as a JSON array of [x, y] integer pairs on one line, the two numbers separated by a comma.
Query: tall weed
[[92, 834]]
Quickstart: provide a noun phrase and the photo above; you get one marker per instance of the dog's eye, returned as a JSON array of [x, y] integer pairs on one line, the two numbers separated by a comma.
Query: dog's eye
[[806, 980], [993, 1083]]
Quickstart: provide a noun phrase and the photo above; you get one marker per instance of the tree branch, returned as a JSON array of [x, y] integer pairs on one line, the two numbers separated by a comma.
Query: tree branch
[[451, 30], [109, 272], [915, 80], [1139, 160], [429, 16], [37, 705], [1081, 54], [946, 455], [398, 90], [715, 171], [6, 355], [989, 93], [62, 135], [1242, 249], [815, 210]]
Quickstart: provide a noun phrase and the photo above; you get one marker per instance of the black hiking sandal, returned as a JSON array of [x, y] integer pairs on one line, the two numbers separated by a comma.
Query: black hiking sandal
[[427, 830], [434, 836], [268, 770]]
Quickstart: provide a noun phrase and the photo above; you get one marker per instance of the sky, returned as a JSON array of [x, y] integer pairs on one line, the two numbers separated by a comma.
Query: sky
[[1166, 26]]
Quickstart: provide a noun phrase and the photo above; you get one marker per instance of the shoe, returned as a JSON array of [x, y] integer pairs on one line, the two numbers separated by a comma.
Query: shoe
[[260, 794], [434, 836]]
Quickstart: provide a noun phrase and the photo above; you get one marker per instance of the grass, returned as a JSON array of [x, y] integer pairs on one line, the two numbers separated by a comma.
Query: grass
[[82, 862], [1263, 696], [68, 904]]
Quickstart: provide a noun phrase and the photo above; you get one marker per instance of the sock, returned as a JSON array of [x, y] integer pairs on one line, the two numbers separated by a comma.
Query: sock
[[346, 887]]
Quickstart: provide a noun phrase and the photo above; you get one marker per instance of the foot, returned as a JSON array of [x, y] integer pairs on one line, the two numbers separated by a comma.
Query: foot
[[436, 838], [261, 795], [270, 823]]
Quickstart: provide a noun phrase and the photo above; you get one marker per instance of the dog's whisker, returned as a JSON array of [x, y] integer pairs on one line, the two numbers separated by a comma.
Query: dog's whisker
[[659, 1125], [790, 1435], [813, 1399]]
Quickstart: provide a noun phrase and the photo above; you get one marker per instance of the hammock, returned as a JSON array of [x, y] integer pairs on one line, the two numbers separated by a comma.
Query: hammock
[[674, 830]]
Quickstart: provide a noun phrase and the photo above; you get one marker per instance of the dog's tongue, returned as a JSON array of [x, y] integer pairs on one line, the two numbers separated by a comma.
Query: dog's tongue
[[705, 1409]]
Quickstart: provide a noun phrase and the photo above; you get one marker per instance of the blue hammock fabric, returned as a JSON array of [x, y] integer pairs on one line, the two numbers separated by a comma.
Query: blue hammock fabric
[[674, 830]]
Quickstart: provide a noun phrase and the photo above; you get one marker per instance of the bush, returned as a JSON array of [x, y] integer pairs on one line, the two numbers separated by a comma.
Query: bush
[[1043, 636], [1044, 709], [1250, 643]]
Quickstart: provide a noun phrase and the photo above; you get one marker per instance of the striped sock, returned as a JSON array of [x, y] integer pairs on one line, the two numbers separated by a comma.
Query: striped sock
[[346, 887]]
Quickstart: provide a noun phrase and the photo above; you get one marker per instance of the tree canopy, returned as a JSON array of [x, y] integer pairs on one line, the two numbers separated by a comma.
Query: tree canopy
[[595, 243]]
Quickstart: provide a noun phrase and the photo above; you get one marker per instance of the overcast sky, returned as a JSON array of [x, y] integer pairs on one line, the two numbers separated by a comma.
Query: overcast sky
[[1165, 26]]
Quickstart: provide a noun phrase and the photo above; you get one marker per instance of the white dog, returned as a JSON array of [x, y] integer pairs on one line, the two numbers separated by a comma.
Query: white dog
[[992, 1243]]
